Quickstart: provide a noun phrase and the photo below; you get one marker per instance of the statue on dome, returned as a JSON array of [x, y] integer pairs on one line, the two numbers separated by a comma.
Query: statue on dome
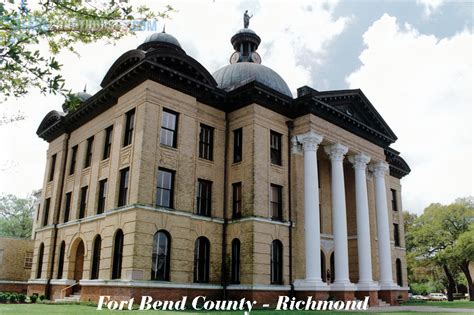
[[247, 19]]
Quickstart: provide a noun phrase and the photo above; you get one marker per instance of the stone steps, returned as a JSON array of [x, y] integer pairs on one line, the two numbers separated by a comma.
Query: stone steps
[[73, 298], [383, 303]]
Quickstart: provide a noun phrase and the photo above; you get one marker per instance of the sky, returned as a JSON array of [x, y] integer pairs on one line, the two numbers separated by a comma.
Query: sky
[[412, 59]]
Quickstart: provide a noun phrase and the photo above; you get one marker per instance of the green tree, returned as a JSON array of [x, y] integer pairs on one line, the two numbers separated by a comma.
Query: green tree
[[16, 216], [61, 24]]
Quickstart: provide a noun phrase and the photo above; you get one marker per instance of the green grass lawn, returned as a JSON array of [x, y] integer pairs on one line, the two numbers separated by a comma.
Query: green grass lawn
[[32, 309], [452, 304]]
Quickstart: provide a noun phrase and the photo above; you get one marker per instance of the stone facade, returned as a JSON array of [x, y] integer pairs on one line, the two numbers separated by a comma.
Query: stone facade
[[140, 218], [16, 256]]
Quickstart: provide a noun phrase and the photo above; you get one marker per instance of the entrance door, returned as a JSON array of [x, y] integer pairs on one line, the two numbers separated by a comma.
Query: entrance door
[[79, 265]]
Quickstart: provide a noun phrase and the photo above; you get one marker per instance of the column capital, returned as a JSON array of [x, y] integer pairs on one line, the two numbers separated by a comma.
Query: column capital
[[379, 169], [336, 151], [359, 161], [310, 140]]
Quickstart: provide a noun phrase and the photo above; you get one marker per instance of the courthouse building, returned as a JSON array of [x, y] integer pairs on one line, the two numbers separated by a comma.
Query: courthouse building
[[173, 181]]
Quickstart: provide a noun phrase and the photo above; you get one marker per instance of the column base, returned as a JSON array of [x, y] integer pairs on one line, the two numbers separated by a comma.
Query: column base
[[310, 285], [389, 285], [367, 286], [342, 286], [373, 297]]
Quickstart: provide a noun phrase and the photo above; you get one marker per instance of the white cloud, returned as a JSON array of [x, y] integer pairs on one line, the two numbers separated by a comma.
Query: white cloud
[[422, 86], [430, 5], [204, 30]]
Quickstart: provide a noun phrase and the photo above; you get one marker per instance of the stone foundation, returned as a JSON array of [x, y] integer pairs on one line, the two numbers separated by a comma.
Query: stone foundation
[[39, 289], [373, 296], [261, 296], [391, 296], [342, 295], [14, 286]]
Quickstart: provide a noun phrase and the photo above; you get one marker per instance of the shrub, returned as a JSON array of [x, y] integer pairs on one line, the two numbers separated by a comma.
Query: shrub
[[3, 297], [42, 297], [13, 298], [33, 298], [21, 298]]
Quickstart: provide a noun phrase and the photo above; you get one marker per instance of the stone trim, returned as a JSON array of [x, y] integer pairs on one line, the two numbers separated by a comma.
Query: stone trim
[[259, 287], [149, 284], [13, 282], [260, 219], [38, 281], [67, 282]]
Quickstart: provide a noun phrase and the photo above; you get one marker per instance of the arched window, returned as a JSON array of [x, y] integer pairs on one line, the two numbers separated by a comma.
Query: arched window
[[323, 267], [96, 257], [201, 260], [118, 251], [276, 263], [39, 267], [62, 251], [333, 270], [235, 275], [398, 263], [160, 261]]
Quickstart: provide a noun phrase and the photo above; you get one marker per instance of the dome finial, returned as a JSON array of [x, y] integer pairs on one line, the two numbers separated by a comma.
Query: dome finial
[[85, 88], [247, 19], [164, 28]]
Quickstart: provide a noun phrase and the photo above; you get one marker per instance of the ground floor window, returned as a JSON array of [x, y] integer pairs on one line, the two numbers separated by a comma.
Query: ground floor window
[[235, 275], [201, 260], [117, 257], [160, 265], [276, 263]]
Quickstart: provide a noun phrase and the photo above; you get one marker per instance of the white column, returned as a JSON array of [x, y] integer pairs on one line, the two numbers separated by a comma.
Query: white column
[[383, 228], [364, 251], [336, 153], [312, 238]]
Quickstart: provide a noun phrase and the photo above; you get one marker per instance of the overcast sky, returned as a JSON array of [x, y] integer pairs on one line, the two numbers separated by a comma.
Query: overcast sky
[[412, 59]]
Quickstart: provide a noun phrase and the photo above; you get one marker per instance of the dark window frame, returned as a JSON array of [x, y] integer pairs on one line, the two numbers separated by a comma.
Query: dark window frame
[[67, 206], [129, 128], [276, 206], [394, 200], [156, 274], [396, 234], [124, 185], [83, 202], [399, 272], [275, 148], [235, 270], [102, 196], [170, 190], [96, 251], [47, 205], [117, 256], [201, 260], [72, 166], [206, 142], [39, 261], [204, 198], [174, 131], [238, 145], [237, 200], [52, 167], [89, 152], [276, 262], [108, 142], [62, 253]]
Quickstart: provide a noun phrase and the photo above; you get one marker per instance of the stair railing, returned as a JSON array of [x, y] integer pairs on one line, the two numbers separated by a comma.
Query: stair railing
[[63, 291]]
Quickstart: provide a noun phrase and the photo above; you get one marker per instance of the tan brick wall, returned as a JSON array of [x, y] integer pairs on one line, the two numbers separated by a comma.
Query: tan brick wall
[[12, 260]]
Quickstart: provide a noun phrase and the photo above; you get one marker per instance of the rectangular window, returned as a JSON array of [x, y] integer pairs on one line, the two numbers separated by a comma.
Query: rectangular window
[[67, 208], [169, 128], [204, 197], [237, 145], [72, 166], [107, 142], [88, 157], [123, 189], [46, 211], [83, 202], [165, 188], [394, 200], [28, 260], [129, 126], [236, 200], [206, 142], [276, 202], [1, 256], [52, 167], [102, 196], [275, 147], [396, 234], [38, 212]]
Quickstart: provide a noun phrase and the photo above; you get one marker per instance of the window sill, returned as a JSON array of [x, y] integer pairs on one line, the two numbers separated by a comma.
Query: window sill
[[206, 160], [168, 147]]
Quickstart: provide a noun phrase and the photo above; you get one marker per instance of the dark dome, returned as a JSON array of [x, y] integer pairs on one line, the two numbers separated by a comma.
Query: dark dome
[[83, 96], [162, 38], [234, 75]]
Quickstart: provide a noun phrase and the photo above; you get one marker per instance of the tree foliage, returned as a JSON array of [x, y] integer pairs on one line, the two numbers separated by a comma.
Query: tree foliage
[[16, 216], [61, 24]]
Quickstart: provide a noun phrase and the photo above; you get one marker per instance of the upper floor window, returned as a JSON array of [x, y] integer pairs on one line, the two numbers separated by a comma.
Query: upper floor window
[[28, 260], [394, 200], [117, 255], [129, 126], [276, 202], [88, 158], [83, 202], [237, 145], [169, 128], [52, 167], [72, 166], [236, 200], [398, 266], [396, 234], [47, 204], [206, 142], [204, 197], [62, 253], [201, 260], [275, 147], [96, 257], [102, 196], [235, 272], [160, 262], [67, 206], [165, 188], [123, 188], [276, 263], [107, 142]]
